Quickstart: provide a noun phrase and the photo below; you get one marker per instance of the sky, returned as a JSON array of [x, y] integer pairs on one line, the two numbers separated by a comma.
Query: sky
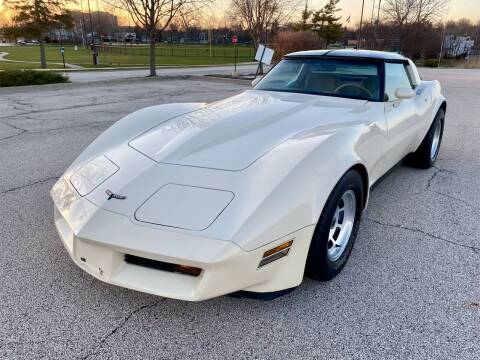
[[457, 9]]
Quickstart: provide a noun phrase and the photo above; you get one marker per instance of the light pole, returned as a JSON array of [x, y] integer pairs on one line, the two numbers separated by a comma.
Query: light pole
[[360, 30]]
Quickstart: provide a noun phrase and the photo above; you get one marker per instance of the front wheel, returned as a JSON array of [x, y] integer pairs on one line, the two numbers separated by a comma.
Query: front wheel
[[336, 229], [427, 152]]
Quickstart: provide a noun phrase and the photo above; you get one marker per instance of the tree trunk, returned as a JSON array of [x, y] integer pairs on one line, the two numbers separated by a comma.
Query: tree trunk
[[153, 71], [43, 59]]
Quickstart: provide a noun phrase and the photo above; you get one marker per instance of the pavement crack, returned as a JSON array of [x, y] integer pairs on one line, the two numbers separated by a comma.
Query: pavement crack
[[429, 187], [22, 131], [112, 332], [95, 103], [28, 185], [475, 249], [15, 126], [92, 124], [455, 199], [435, 174]]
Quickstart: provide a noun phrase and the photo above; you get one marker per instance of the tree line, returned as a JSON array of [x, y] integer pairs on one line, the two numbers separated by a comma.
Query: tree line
[[415, 28]]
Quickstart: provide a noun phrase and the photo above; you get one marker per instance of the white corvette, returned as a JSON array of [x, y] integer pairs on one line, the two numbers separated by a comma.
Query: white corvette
[[193, 200]]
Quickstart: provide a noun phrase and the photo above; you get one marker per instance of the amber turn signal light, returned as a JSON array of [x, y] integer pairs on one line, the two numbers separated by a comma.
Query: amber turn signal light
[[278, 248], [276, 253]]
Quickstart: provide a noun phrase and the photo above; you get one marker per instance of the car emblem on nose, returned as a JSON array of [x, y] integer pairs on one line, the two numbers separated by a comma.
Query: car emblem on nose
[[111, 195]]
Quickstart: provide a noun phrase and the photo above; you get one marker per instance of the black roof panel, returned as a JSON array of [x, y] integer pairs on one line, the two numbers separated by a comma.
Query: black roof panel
[[350, 53]]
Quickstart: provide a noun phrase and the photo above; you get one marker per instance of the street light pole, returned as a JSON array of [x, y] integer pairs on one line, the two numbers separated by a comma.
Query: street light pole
[[361, 23]]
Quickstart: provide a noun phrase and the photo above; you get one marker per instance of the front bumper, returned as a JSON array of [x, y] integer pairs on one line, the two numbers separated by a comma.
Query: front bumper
[[98, 240]]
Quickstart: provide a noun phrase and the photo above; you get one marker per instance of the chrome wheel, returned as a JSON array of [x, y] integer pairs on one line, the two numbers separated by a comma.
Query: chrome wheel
[[341, 226], [436, 140]]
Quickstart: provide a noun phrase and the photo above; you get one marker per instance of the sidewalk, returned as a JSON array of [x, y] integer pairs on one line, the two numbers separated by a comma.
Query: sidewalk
[[96, 75]]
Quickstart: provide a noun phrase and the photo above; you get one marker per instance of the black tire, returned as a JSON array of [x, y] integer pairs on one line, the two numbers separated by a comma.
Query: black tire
[[422, 158], [319, 265]]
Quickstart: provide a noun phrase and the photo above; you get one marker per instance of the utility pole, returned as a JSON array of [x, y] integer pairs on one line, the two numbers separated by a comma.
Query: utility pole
[[360, 30], [377, 23]]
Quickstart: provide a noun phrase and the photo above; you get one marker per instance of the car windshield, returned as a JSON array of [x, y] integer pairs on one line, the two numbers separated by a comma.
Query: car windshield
[[355, 79]]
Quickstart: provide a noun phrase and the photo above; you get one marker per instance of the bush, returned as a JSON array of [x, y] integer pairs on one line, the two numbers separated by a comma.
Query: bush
[[30, 77], [290, 41], [430, 63]]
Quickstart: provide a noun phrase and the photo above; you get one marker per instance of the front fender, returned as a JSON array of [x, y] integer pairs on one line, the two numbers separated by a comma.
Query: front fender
[[288, 187]]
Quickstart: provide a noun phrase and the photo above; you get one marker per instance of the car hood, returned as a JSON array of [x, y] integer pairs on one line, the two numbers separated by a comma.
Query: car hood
[[231, 134]]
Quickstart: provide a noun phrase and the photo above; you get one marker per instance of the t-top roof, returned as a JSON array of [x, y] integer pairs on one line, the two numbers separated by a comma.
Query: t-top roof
[[350, 53]]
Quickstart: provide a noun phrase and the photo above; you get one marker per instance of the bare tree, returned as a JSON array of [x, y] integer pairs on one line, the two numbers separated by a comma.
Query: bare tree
[[407, 12], [187, 17], [154, 16], [256, 16]]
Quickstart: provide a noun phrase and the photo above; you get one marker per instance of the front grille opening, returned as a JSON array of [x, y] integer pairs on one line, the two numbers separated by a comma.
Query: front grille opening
[[161, 265]]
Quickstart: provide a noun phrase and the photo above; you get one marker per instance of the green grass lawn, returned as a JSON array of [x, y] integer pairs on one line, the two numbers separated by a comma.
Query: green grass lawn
[[126, 56], [16, 66]]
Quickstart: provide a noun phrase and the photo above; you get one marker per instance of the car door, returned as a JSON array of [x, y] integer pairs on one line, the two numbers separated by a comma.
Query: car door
[[401, 115]]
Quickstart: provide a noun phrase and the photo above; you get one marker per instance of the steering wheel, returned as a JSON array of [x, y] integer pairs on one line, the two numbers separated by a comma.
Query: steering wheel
[[356, 86]]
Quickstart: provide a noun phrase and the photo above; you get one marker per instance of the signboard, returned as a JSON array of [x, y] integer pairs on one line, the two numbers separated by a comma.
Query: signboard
[[264, 54], [234, 39], [62, 49]]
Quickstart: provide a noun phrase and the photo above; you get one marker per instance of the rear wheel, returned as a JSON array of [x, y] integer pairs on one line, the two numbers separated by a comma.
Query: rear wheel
[[336, 229], [427, 152]]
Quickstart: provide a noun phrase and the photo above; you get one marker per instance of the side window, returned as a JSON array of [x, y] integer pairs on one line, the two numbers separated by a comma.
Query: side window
[[395, 77]]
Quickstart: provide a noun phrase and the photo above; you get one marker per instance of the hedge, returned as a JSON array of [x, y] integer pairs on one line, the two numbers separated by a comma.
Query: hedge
[[30, 77]]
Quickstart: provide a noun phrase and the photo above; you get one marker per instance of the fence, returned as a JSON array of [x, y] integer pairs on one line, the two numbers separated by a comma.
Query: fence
[[243, 52]]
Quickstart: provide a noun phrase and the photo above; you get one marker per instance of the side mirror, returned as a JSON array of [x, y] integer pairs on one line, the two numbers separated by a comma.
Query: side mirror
[[256, 80], [404, 93]]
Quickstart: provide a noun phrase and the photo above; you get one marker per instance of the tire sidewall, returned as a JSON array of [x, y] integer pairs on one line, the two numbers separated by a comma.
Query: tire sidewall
[[439, 118], [318, 263], [422, 158]]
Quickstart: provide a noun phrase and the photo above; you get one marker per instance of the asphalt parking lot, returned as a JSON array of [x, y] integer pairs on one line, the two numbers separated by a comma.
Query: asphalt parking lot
[[410, 290]]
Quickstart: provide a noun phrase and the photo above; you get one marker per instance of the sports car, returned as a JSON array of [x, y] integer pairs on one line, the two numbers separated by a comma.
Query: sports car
[[250, 193]]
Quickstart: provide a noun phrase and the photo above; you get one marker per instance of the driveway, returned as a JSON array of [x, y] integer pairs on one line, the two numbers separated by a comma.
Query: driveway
[[410, 290]]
